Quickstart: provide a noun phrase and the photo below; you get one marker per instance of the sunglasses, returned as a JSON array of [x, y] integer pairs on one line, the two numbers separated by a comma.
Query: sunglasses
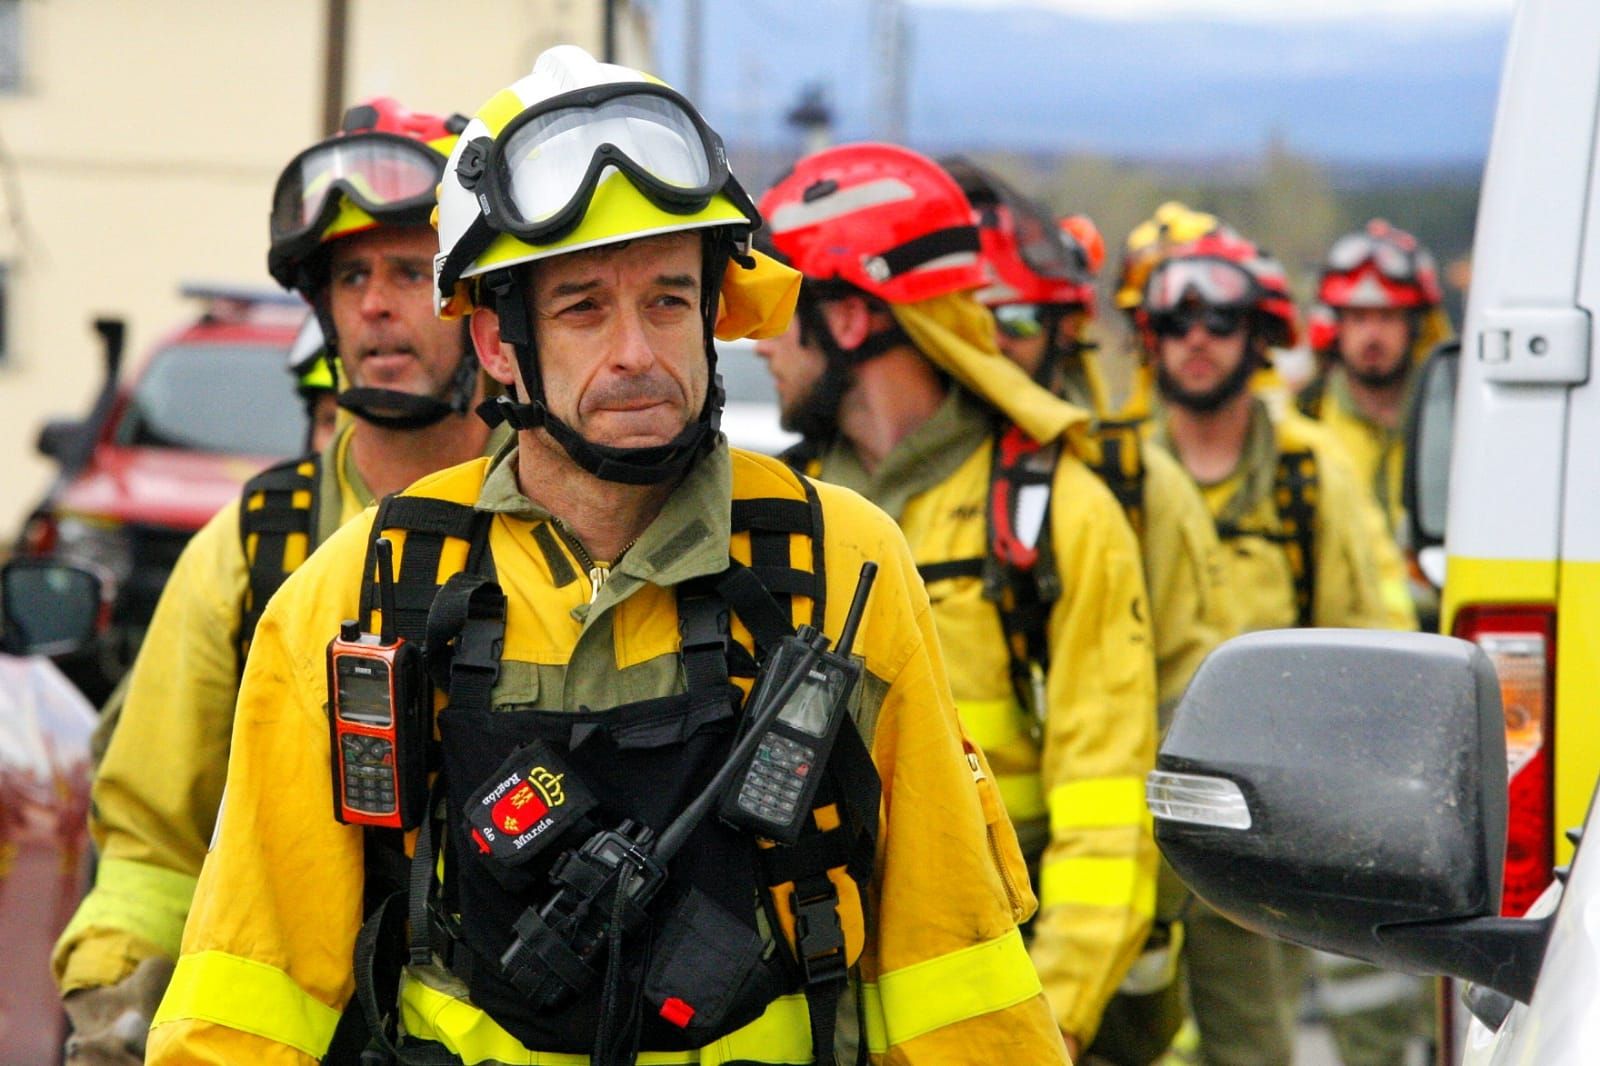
[[1217, 321], [1019, 322]]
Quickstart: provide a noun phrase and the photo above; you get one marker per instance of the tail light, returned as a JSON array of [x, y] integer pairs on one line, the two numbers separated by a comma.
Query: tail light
[[1520, 641]]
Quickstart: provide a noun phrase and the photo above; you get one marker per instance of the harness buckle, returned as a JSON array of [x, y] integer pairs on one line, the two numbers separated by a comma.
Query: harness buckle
[[819, 937]]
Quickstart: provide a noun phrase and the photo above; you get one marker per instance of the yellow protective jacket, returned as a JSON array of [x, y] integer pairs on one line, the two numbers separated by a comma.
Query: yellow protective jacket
[[156, 792], [266, 963], [1075, 792], [1377, 451], [1185, 568], [1260, 579], [1182, 556]]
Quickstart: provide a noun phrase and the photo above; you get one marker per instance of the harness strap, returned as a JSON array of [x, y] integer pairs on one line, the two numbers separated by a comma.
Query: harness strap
[[1296, 496], [1121, 467], [465, 634], [948, 571], [268, 517], [1019, 577], [427, 523]]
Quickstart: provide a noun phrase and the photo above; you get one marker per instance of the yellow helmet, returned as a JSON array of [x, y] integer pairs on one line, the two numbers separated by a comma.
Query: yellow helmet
[[1172, 224], [576, 155]]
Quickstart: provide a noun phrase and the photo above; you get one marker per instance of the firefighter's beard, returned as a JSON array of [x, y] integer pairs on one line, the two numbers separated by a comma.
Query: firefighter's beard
[[815, 415], [1206, 401], [1383, 379]]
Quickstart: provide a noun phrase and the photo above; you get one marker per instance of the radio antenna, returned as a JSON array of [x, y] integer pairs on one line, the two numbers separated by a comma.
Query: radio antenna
[[385, 551]]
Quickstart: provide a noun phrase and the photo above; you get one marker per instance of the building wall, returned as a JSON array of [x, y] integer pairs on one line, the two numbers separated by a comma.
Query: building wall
[[141, 147]]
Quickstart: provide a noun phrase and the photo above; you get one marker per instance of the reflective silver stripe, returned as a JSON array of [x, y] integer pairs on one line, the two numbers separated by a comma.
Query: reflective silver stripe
[[844, 202]]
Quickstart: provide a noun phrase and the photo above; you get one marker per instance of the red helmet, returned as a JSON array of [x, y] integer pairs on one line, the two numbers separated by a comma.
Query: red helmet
[[1027, 258], [1223, 269], [1380, 266], [882, 218], [382, 168], [1082, 229], [1322, 327]]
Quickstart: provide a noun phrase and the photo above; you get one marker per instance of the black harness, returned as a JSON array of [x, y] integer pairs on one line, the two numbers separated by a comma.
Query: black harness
[[640, 762], [1294, 494], [270, 513]]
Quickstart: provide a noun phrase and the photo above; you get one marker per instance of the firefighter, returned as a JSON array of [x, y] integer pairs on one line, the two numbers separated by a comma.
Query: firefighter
[[1038, 273], [603, 581], [1293, 521], [1381, 288], [891, 371], [349, 233], [314, 383], [1041, 288]]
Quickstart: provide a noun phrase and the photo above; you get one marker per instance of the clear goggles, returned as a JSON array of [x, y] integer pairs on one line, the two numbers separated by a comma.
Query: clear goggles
[[390, 177], [540, 173], [1395, 262], [1211, 282]]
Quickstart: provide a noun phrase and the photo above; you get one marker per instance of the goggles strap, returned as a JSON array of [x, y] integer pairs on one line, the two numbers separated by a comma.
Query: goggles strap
[[1056, 351], [924, 249], [473, 243]]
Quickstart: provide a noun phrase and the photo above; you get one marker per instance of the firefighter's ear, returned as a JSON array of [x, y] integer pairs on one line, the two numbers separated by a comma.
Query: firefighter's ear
[[850, 321], [498, 358]]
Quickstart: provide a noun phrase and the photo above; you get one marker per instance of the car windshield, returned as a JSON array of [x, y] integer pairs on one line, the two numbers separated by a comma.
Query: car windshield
[[233, 399]]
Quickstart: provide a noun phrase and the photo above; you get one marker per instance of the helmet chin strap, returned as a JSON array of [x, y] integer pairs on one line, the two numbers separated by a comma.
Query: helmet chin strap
[[652, 465], [391, 408]]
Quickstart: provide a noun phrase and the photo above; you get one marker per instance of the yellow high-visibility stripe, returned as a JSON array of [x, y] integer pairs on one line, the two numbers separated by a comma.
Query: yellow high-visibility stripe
[[904, 1004], [780, 1037], [1098, 802], [990, 723], [249, 996], [1023, 795], [1097, 882], [151, 902]]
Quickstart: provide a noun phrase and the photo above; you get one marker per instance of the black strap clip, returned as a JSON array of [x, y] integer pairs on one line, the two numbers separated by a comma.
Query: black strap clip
[[819, 938]]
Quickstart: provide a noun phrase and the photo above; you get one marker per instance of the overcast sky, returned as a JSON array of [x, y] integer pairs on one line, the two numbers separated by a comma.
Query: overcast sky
[[1253, 9]]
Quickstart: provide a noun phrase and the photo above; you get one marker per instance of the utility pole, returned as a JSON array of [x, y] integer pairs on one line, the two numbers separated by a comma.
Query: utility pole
[[335, 36], [691, 49], [888, 29], [608, 31]]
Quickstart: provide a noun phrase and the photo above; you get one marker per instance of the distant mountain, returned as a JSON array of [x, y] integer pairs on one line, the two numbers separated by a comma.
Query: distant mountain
[[1416, 92]]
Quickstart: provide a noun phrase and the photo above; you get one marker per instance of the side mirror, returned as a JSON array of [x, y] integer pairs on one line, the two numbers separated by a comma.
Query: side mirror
[[1346, 790], [49, 608], [61, 439], [1428, 439]]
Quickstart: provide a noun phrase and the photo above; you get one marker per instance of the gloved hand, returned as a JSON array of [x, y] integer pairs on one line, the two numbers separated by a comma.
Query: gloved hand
[[109, 1024]]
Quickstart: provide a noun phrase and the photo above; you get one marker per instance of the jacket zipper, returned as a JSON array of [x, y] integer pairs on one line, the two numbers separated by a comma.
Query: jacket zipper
[[1013, 897], [598, 572]]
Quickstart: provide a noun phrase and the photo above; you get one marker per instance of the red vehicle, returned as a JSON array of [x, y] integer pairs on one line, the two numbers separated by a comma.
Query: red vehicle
[[160, 454]]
